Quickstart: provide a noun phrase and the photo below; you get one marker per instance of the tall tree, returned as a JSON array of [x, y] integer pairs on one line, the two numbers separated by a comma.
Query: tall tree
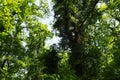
[[90, 31], [72, 19]]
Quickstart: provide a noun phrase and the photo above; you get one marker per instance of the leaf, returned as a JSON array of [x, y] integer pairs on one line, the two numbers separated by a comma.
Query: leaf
[[20, 62]]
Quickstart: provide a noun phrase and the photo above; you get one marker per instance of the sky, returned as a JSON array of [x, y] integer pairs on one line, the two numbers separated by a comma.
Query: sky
[[49, 20]]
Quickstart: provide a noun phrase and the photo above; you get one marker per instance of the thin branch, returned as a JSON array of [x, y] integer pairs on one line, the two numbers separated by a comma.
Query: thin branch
[[90, 11], [3, 63]]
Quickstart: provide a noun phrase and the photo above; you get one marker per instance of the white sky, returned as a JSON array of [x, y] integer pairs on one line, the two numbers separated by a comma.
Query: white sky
[[49, 20]]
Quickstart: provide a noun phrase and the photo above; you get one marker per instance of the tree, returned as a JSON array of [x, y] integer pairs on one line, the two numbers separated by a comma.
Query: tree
[[72, 19], [51, 61], [22, 38], [84, 28], [89, 46]]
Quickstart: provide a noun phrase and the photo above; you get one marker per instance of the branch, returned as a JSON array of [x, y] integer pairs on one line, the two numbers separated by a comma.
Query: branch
[[89, 12], [3, 63]]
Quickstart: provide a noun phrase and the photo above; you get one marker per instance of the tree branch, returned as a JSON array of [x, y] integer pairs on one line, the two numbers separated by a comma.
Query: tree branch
[[89, 12], [3, 63]]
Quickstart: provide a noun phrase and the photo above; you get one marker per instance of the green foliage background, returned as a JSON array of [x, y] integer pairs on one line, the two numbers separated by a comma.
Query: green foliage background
[[88, 49]]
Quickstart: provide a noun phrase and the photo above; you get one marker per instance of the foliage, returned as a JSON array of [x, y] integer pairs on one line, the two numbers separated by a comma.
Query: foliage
[[89, 46], [50, 61], [88, 30], [22, 39]]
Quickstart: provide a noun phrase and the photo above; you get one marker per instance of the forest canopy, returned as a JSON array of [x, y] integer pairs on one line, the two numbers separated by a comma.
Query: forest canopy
[[89, 46]]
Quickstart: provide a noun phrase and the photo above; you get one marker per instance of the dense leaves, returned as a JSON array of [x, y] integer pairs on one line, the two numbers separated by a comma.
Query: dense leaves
[[87, 28], [72, 18], [88, 49], [22, 38]]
